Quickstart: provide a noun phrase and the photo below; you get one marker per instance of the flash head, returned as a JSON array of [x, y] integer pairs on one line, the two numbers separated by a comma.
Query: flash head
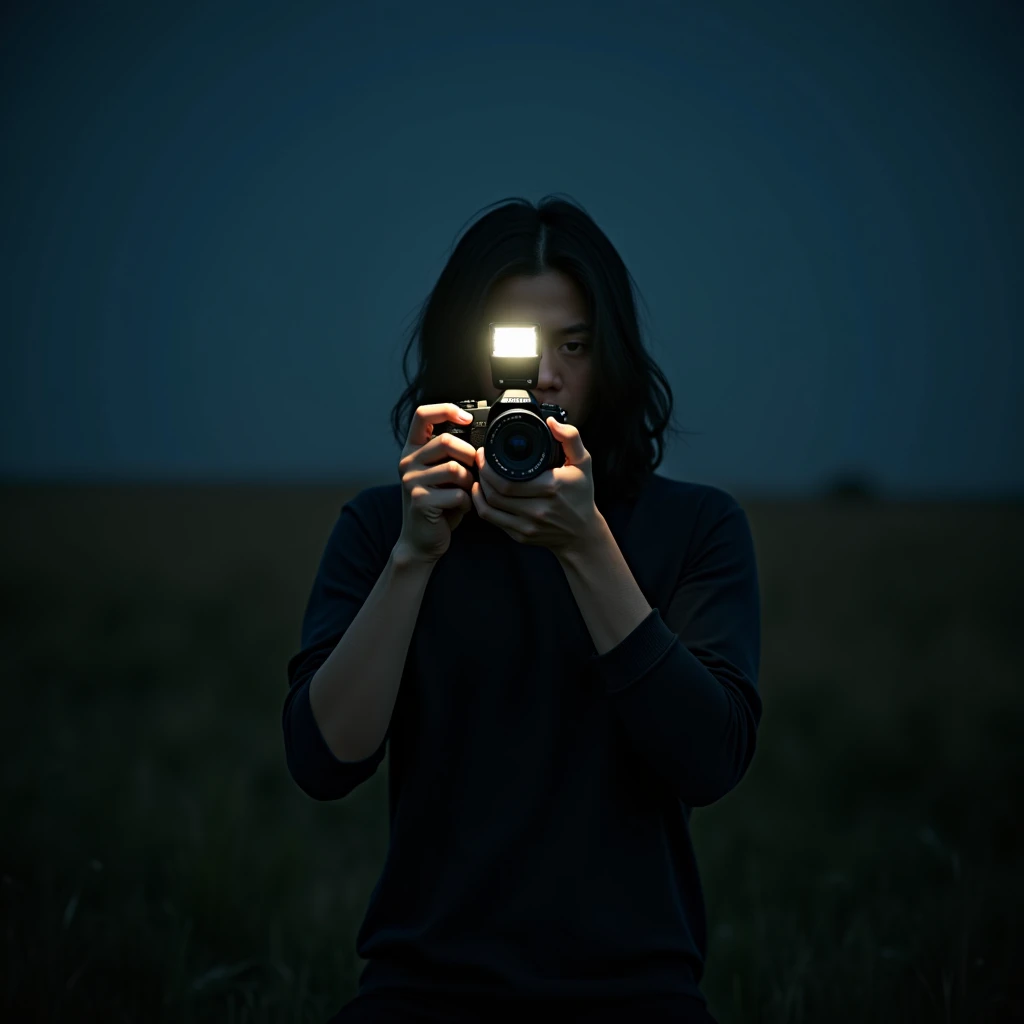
[[515, 361]]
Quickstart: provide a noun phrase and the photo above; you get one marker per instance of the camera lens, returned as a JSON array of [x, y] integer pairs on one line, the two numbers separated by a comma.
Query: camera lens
[[519, 443]]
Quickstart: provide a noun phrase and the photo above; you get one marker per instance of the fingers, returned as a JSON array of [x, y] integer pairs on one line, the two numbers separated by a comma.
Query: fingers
[[543, 486], [439, 449], [518, 508], [516, 526], [424, 498], [426, 415], [445, 473]]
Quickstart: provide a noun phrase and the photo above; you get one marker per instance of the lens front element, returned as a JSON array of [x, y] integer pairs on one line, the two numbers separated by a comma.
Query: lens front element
[[518, 445]]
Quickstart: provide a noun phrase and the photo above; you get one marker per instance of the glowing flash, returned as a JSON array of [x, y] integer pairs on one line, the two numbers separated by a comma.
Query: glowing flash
[[515, 340]]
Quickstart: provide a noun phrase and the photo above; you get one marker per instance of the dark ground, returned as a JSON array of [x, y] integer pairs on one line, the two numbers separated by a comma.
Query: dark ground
[[158, 864]]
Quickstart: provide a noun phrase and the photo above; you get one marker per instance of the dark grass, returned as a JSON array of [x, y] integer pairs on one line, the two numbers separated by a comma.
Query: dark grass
[[159, 865]]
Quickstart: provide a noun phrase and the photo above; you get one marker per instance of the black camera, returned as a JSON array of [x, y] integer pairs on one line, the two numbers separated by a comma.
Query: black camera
[[513, 432]]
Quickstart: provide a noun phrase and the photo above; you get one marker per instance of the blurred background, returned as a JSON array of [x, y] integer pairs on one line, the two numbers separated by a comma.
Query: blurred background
[[218, 223]]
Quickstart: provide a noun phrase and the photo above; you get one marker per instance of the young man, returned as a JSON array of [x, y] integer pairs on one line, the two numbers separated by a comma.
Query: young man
[[554, 708]]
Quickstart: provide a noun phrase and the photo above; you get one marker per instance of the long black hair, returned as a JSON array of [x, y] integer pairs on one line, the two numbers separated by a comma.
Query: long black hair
[[630, 400]]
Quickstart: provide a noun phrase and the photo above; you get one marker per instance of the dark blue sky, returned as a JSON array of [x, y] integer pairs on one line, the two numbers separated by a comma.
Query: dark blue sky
[[218, 226]]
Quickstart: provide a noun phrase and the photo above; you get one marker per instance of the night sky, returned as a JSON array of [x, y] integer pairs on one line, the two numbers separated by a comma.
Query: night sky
[[218, 225]]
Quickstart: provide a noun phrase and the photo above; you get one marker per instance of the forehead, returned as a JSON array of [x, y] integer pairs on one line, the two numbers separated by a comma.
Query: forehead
[[546, 298]]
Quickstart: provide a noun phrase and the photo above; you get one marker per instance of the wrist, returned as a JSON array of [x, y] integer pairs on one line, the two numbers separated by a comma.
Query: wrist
[[585, 545], [404, 559]]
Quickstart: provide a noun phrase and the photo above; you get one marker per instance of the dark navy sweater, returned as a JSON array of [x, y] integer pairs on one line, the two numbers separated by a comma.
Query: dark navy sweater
[[539, 794]]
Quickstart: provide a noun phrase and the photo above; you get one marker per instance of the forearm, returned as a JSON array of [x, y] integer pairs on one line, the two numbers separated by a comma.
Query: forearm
[[683, 687], [608, 597], [353, 693]]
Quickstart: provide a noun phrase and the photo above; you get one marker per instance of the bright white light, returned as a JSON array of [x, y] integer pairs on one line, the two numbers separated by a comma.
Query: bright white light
[[515, 341]]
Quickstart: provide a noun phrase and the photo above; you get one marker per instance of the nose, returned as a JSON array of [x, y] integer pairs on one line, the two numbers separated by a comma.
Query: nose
[[547, 379]]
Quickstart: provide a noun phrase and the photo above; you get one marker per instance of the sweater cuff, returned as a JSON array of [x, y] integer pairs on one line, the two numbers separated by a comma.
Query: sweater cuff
[[635, 655]]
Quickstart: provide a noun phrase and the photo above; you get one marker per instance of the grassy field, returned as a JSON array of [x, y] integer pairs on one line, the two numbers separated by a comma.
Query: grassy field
[[158, 864]]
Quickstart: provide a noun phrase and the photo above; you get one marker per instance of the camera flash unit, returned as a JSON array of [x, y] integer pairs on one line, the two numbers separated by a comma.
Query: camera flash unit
[[517, 340]]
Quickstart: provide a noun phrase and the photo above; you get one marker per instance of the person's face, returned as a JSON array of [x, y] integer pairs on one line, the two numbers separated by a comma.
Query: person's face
[[554, 301]]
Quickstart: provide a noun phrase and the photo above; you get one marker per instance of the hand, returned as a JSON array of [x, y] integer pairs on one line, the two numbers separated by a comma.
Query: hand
[[435, 482], [555, 510]]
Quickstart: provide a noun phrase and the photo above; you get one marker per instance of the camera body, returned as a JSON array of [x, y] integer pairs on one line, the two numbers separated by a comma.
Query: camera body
[[513, 432]]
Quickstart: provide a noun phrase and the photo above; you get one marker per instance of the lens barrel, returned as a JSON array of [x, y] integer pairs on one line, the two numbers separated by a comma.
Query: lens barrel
[[519, 444]]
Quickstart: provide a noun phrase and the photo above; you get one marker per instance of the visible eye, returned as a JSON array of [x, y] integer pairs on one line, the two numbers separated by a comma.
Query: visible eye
[[579, 346]]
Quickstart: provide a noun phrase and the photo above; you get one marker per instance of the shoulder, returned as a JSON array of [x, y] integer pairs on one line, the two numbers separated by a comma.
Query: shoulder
[[698, 510], [380, 499], [690, 499], [377, 511]]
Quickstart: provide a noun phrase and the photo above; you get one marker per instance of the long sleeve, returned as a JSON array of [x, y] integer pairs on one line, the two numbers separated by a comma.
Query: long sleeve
[[353, 559], [527, 825], [684, 685]]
